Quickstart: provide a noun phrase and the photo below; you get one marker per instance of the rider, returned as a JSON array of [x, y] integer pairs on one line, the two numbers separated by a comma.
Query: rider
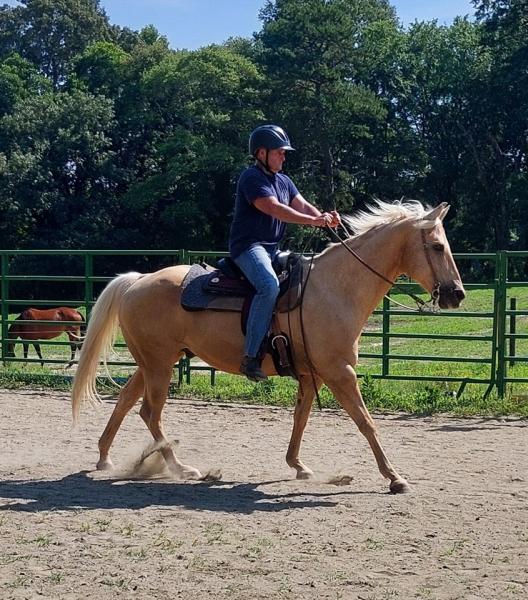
[[266, 200]]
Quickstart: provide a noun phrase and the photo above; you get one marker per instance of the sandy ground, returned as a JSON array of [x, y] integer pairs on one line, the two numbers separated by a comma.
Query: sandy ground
[[258, 533]]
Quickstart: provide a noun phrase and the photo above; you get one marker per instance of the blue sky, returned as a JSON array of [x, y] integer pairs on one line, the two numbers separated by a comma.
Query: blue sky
[[194, 23]]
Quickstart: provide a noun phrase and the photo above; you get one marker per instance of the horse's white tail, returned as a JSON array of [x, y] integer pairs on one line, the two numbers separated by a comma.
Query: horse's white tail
[[100, 336]]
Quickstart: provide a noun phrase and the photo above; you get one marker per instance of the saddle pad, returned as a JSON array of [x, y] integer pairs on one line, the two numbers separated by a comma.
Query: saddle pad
[[194, 297]]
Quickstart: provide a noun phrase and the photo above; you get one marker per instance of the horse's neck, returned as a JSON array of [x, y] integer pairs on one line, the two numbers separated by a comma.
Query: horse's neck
[[382, 250]]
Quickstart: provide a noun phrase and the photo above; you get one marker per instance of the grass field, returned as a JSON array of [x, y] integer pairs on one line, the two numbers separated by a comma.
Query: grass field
[[415, 397]]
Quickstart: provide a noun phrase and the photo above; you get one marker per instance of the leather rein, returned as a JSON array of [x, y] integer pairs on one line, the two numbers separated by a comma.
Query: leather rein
[[423, 306]]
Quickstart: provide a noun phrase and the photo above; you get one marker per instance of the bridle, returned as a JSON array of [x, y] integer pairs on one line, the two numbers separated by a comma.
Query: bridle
[[428, 306]]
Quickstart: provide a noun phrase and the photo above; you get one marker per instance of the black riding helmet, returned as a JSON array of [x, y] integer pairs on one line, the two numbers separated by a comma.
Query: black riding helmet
[[271, 137]]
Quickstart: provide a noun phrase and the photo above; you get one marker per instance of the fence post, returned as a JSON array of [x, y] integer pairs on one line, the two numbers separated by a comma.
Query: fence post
[[385, 342], [88, 284], [513, 330], [5, 303], [500, 316]]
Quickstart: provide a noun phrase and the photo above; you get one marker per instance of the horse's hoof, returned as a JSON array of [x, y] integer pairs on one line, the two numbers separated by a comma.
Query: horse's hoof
[[399, 486], [105, 465], [189, 473], [305, 475], [214, 475]]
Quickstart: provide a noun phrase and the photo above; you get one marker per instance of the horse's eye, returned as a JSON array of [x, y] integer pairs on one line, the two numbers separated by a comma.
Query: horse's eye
[[438, 247]]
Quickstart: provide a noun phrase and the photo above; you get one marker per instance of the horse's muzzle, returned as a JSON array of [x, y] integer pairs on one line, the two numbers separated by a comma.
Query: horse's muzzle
[[451, 296]]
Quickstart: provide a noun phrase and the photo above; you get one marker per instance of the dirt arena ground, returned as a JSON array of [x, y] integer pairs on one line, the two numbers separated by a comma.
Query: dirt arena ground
[[66, 532]]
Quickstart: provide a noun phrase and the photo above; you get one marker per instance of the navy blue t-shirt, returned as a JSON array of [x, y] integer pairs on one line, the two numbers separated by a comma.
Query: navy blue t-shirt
[[250, 225]]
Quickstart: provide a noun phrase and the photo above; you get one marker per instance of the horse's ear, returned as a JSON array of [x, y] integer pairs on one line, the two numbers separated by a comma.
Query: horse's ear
[[438, 212]]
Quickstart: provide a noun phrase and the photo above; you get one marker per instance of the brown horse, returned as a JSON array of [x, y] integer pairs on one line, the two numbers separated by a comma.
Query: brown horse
[[340, 295], [30, 333]]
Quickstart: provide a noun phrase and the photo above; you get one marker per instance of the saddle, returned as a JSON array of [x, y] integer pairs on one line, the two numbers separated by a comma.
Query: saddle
[[226, 289]]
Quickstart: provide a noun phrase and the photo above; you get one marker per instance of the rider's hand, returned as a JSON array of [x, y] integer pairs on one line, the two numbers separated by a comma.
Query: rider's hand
[[323, 220], [336, 219]]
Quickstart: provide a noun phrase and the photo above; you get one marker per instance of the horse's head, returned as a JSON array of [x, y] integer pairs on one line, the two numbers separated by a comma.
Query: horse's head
[[428, 259]]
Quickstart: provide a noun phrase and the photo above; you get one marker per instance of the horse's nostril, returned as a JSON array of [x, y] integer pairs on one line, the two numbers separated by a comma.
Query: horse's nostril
[[459, 294]]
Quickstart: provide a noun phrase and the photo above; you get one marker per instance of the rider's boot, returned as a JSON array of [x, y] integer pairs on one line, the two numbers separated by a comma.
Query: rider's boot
[[250, 367]]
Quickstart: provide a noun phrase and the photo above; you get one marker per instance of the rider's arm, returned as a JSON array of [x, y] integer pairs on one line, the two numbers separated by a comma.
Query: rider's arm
[[303, 206], [271, 206]]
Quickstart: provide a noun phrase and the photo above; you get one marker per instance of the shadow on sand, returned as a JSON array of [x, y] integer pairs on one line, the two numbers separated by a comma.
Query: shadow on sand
[[80, 492]]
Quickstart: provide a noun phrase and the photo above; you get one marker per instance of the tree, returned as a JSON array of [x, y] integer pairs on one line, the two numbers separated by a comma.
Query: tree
[[441, 69], [56, 171], [317, 56], [504, 118], [19, 79], [205, 103], [49, 33]]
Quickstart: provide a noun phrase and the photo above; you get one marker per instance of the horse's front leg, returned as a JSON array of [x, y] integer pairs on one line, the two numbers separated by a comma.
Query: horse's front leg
[[305, 395], [344, 385]]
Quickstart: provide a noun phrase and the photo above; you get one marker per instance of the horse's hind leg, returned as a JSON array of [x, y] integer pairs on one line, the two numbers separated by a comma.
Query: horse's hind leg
[[73, 348], [39, 353], [26, 350], [156, 388], [129, 395], [73, 336], [345, 387], [305, 395]]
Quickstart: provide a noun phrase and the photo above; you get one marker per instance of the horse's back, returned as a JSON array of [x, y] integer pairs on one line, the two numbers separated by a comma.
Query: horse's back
[[169, 276], [37, 314], [164, 282], [64, 313], [61, 313], [156, 289], [150, 308]]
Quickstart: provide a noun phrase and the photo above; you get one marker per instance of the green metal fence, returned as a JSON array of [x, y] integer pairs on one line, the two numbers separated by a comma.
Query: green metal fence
[[497, 359], [506, 338]]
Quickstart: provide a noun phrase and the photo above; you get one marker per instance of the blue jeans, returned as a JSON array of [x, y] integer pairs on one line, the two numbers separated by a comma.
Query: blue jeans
[[255, 263]]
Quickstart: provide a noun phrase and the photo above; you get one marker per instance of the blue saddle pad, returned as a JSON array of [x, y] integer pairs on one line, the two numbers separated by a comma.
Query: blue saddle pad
[[210, 289], [195, 297]]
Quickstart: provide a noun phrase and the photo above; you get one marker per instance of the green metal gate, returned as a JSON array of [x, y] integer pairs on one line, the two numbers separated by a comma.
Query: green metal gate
[[497, 363]]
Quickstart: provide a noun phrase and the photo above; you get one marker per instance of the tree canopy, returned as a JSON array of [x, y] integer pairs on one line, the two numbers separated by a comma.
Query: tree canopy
[[111, 139]]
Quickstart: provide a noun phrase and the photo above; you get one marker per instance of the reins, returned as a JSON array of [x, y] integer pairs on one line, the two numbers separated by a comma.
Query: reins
[[423, 306]]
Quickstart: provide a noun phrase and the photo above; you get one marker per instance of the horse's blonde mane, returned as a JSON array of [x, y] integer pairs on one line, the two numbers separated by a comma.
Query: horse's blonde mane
[[382, 213]]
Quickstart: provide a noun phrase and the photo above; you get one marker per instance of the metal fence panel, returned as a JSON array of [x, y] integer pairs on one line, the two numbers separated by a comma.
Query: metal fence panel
[[501, 340]]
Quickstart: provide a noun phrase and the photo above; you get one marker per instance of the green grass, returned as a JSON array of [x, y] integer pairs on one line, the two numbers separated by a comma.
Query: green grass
[[418, 398], [421, 397]]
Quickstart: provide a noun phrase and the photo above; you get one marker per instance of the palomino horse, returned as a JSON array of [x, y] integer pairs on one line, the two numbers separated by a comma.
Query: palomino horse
[[340, 295], [32, 332]]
